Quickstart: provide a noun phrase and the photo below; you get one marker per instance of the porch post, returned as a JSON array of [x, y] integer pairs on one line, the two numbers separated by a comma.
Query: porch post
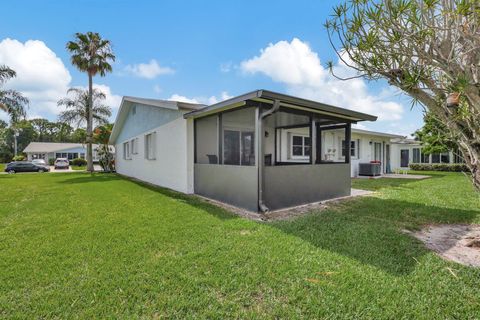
[[348, 138], [313, 142]]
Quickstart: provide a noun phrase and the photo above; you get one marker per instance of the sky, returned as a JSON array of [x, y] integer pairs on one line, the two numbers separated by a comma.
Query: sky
[[195, 51]]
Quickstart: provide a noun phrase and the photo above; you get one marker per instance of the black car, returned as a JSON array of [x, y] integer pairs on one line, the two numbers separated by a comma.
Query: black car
[[25, 166]]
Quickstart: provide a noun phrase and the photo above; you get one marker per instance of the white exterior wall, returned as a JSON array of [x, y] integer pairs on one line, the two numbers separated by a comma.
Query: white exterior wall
[[397, 147], [173, 165], [366, 150]]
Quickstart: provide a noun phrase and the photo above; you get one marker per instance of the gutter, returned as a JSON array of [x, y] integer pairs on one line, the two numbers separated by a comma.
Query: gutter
[[261, 172]]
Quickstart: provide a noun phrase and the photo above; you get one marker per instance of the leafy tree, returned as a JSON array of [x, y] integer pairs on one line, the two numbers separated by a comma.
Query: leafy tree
[[42, 129], [434, 136], [91, 54], [427, 48], [77, 109], [26, 134], [12, 102], [79, 135], [102, 136]]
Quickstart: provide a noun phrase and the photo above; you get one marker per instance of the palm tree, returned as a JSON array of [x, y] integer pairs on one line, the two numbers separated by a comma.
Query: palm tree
[[77, 110], [11, 101], [91, 54]]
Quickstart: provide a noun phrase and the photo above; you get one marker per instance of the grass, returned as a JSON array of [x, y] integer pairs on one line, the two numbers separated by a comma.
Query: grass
[[79, 168], [2, 166], [77, 245]]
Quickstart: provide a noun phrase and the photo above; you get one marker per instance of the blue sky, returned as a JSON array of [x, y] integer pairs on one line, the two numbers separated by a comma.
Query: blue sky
[[192, 50]]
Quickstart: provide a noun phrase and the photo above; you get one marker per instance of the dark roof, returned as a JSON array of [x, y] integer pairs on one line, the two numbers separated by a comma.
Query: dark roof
[[270, 96]]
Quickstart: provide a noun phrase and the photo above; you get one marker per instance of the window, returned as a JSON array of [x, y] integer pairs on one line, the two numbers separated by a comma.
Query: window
[[126, 151], [416, 155], [445, 157], [238, 147], [150, 142], [377, 151], [425, 158], [134, 146], [353, 148], [300, 147]]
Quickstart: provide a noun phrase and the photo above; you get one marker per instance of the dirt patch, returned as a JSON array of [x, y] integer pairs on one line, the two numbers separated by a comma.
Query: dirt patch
[[454, 242]]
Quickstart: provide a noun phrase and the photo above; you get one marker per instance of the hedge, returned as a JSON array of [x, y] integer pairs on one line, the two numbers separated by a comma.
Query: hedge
[[19, 158], [79, 162], [452, 167]]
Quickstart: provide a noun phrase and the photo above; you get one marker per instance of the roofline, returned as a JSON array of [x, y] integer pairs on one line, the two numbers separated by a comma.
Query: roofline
[[283, 98], [377, 133], [167, 104]]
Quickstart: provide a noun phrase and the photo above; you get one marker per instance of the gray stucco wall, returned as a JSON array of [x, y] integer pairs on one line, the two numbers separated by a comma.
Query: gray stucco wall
[[292, 185], [236, 185]]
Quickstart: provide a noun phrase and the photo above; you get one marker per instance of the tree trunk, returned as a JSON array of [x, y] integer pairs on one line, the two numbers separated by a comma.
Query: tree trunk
[[89, 125]]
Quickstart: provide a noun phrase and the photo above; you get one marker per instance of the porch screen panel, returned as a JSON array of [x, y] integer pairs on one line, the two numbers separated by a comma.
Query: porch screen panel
[[206, 140], [238, 137], [332, 142]]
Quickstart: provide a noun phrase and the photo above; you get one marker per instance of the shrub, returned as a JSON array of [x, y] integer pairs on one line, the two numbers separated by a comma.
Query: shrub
[[51, 161], [79, 162], [451, 167], [18, 158]]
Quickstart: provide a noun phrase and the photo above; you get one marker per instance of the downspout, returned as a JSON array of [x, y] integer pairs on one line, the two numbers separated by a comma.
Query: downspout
[[261, 173]]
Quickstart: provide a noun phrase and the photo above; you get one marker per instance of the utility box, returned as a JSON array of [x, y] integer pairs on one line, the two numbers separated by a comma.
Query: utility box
[[370, 169]]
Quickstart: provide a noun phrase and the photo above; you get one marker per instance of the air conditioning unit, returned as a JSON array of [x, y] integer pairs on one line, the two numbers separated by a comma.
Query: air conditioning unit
[[369, 169]]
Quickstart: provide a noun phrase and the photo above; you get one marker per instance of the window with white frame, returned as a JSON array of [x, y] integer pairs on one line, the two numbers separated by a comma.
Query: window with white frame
[[150, 150], [134, 146], [416, 155], [299, 147], [353, 148], [126, 151]]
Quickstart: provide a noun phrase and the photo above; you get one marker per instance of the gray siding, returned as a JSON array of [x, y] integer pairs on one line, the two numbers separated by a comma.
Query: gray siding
[[292, 185], [236, 185]]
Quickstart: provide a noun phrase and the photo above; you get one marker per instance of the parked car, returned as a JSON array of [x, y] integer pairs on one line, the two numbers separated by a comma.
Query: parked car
[[39, 162], [61, 163], [25, 166]]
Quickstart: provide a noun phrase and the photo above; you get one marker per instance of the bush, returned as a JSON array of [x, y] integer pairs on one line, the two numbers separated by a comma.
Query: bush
[[18, 158], [51, 161], [451, 167], [79, 162]]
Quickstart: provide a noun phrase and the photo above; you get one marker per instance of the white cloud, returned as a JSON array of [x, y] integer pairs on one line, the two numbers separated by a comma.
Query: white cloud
[[180, 98], [41, 75], [297, 66], [148, 70], [203, 100], [226, 67]]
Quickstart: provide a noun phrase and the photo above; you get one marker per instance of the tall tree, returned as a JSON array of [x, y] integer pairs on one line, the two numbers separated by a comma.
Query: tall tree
[[91, 54], [427, 48], [78, 110], [11, 101], [434, 136]]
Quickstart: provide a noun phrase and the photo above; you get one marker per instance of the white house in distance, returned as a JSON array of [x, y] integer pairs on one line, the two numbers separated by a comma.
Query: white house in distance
[[54, 150]]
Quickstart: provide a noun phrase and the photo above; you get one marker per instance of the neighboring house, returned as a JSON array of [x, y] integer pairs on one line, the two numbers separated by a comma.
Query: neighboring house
[[54, 150], [214, 150], [409, 151]]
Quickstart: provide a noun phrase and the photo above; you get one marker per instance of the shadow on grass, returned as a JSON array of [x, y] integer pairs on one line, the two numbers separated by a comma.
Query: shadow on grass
[[369, 230], [191, 200], [366, 229]]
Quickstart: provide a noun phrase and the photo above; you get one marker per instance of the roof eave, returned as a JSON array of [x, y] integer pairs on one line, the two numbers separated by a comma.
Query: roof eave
[[272, 96]]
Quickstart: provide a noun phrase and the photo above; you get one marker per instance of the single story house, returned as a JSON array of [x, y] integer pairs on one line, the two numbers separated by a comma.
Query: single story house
[[54, 150], [259, 151]]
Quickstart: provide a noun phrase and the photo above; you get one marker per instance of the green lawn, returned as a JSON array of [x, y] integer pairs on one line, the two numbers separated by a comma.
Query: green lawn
[[79, 168], [2, 167], [76, 245]]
